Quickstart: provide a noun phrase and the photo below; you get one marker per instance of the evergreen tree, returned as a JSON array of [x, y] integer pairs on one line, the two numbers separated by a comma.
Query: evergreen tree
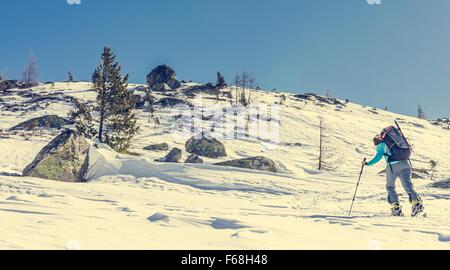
[[95, 75], [221, 83], [103, 86], [117, 123], [122, 123], [70, 77], [83, 119]]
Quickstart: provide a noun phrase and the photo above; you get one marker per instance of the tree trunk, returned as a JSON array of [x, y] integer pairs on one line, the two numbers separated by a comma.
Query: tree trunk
[[320, 146], [100, 130]]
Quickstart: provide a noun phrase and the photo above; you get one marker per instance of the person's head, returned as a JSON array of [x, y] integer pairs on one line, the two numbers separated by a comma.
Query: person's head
[[377, 140]]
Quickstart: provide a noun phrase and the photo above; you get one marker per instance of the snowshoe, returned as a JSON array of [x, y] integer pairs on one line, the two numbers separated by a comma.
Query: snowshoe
[[396, 210], [417, 209]]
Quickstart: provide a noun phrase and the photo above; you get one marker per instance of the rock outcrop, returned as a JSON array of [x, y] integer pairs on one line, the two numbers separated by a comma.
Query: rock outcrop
[[65, 159], [173, 156], [193, 158], [46, 121], [138, 101], [171, 102], [205, 147], [254, 163], [157, 147], [162, 77], [207, 88], [319, 98], [9, 84]]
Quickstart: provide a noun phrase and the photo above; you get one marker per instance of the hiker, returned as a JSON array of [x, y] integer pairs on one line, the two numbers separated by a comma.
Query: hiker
[[396, 150]]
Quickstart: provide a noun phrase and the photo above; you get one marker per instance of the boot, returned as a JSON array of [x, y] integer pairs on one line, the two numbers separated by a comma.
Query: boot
[[417, 208], [396, 210]]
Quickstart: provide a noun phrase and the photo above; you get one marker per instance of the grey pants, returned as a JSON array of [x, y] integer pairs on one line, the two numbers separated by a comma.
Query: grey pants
[[403, 171]]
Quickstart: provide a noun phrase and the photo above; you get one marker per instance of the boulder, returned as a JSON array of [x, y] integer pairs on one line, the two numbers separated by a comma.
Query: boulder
[[157, 147], [193, 158], [138, 101], [163, 75], [9, 84], [173, 156], [207, 88], [46, 121], [205, 147], [172, 102], [65, 159], [255, 163]]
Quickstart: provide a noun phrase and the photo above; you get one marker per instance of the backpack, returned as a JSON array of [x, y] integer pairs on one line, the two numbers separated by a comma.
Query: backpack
[[397, 144]]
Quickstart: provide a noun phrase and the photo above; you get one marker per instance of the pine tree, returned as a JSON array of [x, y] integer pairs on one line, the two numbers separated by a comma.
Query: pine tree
[[117, 124], [103, 86], [95, 75], [83, 119], [122, 123], [221, 83], [70, 77]]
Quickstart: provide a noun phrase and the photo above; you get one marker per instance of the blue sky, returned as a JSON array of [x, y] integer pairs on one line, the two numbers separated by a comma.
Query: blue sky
[[395, 54]]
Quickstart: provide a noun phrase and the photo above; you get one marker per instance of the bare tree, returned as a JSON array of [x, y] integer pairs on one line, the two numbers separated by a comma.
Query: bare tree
[[230, 90], [420, 112], [433, 165], [150, 102], [327, 158], [30, 75], [283, 99], [237, 84], [251, 84]]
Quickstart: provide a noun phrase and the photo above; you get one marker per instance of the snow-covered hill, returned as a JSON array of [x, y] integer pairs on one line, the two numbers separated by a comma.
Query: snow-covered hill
[[143, 204]]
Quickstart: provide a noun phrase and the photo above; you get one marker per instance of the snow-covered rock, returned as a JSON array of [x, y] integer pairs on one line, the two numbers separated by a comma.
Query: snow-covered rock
[[9, 84], [65, 159], [46, 121], [220, 207], [193, 158], [163, 75], [173, 156], [157, 147], [206, 147], [254, 163]]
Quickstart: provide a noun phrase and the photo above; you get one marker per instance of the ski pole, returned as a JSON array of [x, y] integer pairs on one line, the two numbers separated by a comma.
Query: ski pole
[[357, 186]]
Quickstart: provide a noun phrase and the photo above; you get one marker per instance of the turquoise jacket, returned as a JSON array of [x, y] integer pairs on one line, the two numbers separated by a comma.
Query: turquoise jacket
[[382, 150]]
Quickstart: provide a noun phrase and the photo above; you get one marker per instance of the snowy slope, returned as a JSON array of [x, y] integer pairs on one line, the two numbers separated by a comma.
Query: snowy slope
[[133, 202]]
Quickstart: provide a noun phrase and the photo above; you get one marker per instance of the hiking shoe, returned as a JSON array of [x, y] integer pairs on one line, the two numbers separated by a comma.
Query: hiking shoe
[[417, 208], [396, 210]]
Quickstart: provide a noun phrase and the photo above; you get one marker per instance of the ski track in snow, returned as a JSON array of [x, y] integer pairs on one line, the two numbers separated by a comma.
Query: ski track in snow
[[135, 203]]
